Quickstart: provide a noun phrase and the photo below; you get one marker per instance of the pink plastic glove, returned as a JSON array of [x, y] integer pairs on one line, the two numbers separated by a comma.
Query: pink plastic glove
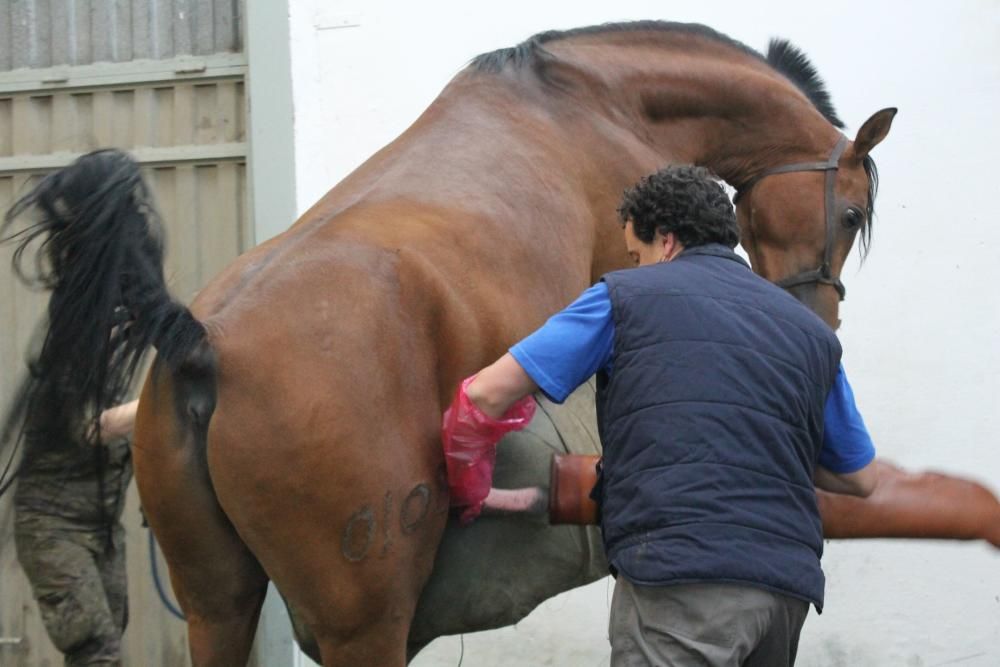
[[470, 439]]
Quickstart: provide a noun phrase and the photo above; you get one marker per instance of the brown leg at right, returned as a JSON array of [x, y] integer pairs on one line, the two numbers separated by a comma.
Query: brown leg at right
[[920, 505]]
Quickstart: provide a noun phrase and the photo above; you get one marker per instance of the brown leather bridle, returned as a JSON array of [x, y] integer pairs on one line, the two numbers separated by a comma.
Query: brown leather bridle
[[823, 274]]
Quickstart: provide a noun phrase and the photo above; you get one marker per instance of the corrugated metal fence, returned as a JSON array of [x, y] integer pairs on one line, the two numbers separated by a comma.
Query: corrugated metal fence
[[48, 33]]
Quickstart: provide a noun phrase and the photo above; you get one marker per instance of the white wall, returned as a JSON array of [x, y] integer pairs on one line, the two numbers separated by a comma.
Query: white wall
[[922, 321]]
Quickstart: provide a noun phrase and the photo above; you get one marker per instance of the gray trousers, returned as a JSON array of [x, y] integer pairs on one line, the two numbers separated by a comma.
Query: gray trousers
[[79, 583], [705, 624]]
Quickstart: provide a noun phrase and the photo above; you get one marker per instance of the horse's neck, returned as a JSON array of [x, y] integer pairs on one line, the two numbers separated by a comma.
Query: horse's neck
[[549, 158], [701, 102]]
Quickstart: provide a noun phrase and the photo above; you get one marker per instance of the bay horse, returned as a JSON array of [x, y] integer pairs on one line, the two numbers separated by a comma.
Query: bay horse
[[290, 428]]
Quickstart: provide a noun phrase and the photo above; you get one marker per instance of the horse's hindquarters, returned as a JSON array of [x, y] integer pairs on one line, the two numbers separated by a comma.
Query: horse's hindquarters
[[329, 467]]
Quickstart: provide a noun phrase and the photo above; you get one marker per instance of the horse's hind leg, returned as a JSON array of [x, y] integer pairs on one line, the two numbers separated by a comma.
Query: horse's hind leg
[[351, 556], [218, 582], [351, 523]]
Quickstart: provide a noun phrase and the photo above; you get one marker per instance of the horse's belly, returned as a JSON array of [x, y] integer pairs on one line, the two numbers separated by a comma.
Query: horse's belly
[[493, 572]]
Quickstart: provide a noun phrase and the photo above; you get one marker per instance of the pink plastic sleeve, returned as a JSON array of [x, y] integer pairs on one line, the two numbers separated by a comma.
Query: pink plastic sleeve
[[470, 439]]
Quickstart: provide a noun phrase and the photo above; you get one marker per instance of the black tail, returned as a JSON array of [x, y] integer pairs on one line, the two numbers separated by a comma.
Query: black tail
[[97, 245]]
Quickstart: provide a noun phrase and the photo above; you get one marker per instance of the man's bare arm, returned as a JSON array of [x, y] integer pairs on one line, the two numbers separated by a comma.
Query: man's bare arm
[[501, 384]]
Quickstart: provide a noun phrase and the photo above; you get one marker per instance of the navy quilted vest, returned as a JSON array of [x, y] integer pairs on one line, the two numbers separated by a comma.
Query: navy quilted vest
[[712, 421]]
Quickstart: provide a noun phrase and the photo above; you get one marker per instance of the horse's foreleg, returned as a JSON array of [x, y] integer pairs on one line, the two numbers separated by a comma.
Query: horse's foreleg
[[217, 581], [919, 505]]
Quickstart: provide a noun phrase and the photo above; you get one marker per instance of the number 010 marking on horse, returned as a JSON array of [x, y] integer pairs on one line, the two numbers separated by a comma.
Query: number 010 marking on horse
[[359, 533]]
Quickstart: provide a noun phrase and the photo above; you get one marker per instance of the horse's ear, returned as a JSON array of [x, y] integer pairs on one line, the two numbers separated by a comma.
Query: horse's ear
[[873, 131]]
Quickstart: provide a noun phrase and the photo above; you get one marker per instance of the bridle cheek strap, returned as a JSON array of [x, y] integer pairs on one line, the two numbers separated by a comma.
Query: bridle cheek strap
[[823, 274]]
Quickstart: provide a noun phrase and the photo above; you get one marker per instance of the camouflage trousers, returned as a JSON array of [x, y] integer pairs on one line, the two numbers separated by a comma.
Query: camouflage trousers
[[79, 582]]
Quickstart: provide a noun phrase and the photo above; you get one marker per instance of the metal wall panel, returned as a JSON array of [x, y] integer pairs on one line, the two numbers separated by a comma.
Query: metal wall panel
[[188, 131], [167, 115], [48, 33]]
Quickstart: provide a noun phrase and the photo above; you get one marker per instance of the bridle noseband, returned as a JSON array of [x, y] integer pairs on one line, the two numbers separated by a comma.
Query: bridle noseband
[[824, 274]]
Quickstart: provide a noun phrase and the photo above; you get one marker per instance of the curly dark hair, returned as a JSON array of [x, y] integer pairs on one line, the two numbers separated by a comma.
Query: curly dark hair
[[682, 199]]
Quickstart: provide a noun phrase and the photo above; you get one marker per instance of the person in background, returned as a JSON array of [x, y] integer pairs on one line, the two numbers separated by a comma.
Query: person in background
[[74, 467], [721, 402]]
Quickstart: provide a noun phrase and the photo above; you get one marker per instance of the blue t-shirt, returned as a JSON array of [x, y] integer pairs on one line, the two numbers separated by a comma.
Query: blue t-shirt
[[578, 341]]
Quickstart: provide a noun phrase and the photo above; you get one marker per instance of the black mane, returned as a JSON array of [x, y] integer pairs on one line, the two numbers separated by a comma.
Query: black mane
[[526, 53], [782, 56], [794, 64]]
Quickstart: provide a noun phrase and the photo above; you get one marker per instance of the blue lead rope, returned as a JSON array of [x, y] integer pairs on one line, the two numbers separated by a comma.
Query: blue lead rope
[[154, 569]]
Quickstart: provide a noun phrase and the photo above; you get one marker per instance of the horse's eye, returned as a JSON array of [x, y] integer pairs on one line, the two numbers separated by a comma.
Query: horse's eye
[[852, 218]]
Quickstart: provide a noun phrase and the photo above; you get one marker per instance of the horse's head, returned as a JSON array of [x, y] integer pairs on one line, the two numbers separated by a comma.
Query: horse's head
[[798, 221]]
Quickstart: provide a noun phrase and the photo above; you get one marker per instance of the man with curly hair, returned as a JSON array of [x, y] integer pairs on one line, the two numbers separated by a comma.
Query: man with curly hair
[[721, 403]]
